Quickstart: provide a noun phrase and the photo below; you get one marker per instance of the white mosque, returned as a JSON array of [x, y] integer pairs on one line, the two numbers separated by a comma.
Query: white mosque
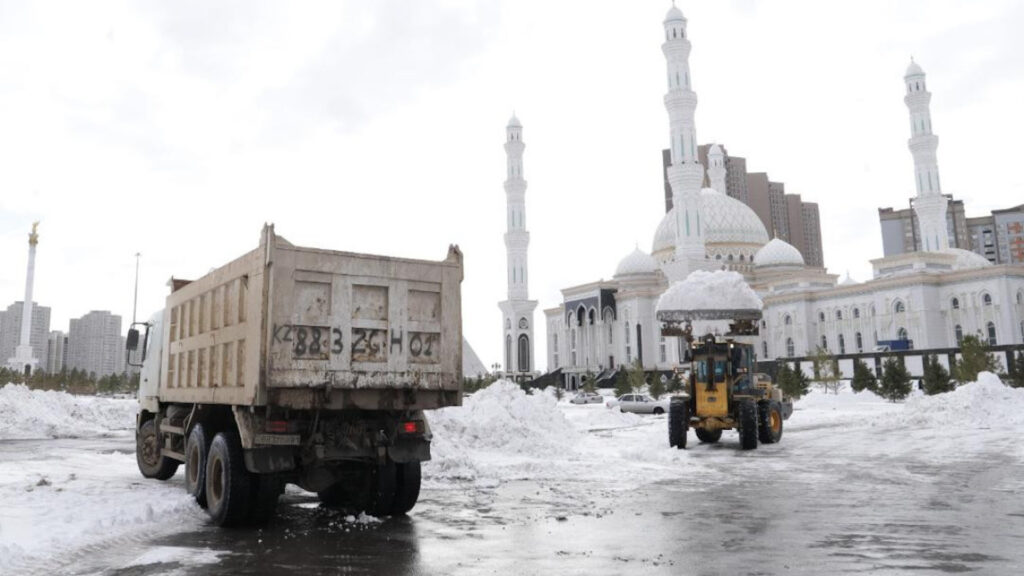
[[925, 300]]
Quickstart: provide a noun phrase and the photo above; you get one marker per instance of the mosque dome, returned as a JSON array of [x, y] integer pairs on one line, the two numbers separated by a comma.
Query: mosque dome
[[665, 236], [726, 220], [778, 253], [636, 262], [674, 13], [967, 260], [914, 69], [848, 281]]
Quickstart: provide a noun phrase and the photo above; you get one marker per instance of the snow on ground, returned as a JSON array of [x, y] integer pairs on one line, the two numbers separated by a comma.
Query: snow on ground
[[26, 414]]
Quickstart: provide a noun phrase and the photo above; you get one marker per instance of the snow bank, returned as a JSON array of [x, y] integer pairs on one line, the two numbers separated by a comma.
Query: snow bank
[[982, 404], [718, 290], [28, 414]]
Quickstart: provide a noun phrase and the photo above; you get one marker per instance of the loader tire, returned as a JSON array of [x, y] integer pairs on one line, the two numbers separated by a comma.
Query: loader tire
[[748, 424], [407, 490], [264, 493], [196, 448], [678, 422], [769, 429], [709, 436], [147, 454], [228, 483]]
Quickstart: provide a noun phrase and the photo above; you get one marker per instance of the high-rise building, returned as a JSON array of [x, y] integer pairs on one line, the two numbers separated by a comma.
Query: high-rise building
[[901, 232], [517, 309], [1009, 225], [10, 330], [56, 351], [814, 254], [95, 344]]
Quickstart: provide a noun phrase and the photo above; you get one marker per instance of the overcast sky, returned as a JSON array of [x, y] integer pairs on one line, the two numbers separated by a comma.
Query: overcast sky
[[175, 129]]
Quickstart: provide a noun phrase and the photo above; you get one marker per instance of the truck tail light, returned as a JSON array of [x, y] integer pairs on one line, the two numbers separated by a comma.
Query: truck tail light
[[277, 426], [412, 427]]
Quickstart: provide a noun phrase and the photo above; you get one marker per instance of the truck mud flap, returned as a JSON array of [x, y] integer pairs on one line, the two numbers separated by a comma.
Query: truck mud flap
[[269, 459], [412, 450]]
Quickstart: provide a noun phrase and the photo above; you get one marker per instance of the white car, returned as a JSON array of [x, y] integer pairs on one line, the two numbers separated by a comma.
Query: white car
[[587, 398], [639, 404]]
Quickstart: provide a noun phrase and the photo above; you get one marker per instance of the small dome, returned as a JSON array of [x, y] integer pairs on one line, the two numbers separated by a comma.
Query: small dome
[[967, 260], [674, 14], [636, 262], [726, 220], [778, 253], [665, 236], [914, 69], [715, 150], [848, 281], [514, 122]]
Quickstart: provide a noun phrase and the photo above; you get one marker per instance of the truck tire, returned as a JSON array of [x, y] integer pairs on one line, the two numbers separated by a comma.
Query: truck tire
[[264, 492], [748, 424], [678, 422], [196, 448], [769, 422], [147, 454], [407, 489], [709, 436], [228, 483], [383, 486]]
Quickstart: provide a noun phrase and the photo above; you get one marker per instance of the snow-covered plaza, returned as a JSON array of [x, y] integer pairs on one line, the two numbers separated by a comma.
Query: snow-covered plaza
[[529, 484]]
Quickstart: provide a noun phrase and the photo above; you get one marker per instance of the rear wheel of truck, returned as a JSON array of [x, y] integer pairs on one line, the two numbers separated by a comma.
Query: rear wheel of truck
[[770, 422], [407, 490], [147, 454], [709, 436], [196, 449], [228, 483], [678, 421], [748, 424]]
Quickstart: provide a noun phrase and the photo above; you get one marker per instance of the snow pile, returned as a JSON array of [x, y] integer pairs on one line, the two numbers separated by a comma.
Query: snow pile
[[26, 414], [718, 290], [596, 417], [500, 420], [982, 404]]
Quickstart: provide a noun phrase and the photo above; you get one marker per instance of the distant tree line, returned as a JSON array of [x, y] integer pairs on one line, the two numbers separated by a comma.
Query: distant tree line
[[74, 381]]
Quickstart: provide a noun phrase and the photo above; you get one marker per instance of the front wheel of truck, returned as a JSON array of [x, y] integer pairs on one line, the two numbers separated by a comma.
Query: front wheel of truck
[[228, 483], [147, 454]]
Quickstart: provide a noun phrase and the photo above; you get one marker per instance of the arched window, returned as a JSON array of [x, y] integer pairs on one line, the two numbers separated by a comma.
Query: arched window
[[508, 323], [524, 353], [787, 320], [764, 349], [986, 299], [581, 312], [901, 334], [991, 334], [842, 344], [508, 353], [572, 346], [856, 312], [859, 341], [955, 303], [591, 316], [824, 342], [1020, 297], [873, 311], [789, 348], [898, 307], [839, 314], [958, 333], [821, 316]]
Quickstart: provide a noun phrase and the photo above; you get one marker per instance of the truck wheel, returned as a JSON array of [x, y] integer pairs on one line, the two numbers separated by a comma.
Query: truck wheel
[[709, 436], [748, 424], [408, 487], [147, 454], [383, 485], [678, 422], [228, 483], [265, 490], [196, 449], [769, 422]]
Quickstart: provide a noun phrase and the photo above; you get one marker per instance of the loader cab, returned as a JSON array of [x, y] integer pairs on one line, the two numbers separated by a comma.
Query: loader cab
[[721, 369]]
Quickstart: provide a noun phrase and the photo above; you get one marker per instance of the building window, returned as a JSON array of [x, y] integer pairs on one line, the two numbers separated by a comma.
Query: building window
[[824, 342], [842, 344], [856, 312], [955, 303], [524, 353], [508, 354], [787, 320], [859, 341], [839, 314], [1020, 297], [789, 348], [901, 334], [554, 347], [898, 307], [626, 328], [958, 333], [986, 299], [572, 346], [992, 334], [764, 349], [873, 313], [821, 316], [611, 334], [661, 350]]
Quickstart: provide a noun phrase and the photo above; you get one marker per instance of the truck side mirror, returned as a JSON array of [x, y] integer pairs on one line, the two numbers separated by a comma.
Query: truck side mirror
[[132, 341]]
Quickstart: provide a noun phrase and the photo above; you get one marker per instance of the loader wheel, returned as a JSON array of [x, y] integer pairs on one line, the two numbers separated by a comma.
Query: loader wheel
[[678, 422], [147, 454], [264, 492], [408, 487], [228, 483], [709, 436], [196, 449], [769, 423], [748, 424]]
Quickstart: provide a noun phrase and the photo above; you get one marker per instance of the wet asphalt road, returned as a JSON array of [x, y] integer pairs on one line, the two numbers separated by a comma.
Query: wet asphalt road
[[801, 508]]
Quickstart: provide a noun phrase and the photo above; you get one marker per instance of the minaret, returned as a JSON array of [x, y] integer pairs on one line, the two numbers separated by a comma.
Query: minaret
[[929, 205], [716, 169], [686, 173], [517, 310], [23, 361]]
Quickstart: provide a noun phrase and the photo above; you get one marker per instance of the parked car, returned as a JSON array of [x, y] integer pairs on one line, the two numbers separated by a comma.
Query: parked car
[[639, 404], [587, 398]]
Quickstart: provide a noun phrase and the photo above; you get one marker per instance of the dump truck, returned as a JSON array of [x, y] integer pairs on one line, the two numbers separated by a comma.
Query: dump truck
[[299, 365]]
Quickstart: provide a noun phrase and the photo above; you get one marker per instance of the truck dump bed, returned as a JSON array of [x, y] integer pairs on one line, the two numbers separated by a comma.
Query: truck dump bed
[[308, 328]]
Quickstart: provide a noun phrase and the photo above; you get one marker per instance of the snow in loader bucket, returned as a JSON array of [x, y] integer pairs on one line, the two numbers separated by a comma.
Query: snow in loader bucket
[[708, 296]]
